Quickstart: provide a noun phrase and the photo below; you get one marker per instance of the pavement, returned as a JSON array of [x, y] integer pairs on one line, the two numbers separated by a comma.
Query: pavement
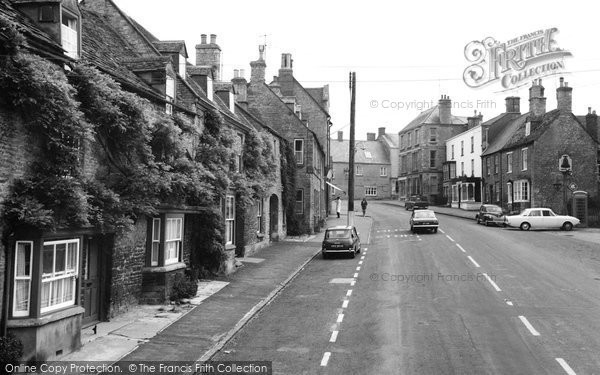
[[200, 327], [583, 234]]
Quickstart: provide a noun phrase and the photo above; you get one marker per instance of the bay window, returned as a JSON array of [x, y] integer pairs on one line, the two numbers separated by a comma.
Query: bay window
[[173, 239], [59, 272]]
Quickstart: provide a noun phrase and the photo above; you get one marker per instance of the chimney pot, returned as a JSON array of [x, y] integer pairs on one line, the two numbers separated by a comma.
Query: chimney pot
[[236, 73], [242, 73], [203, 39], [381, 131], [213, 39], [589, 110], [370, 136], [564, 96]]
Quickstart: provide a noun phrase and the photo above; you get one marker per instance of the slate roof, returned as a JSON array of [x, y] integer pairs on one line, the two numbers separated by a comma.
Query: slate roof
[[432, 116], [340, 152], [316, 93]]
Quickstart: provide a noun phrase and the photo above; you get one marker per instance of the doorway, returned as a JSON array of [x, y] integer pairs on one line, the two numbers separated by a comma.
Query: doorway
[[274, 217]]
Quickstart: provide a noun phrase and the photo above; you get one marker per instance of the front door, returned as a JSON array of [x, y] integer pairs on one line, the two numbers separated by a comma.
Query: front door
[[90, 281]]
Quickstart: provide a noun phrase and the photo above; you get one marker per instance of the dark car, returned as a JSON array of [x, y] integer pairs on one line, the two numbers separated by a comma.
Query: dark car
[[490, 214], [341, 239], [416, 202], [423, 219]]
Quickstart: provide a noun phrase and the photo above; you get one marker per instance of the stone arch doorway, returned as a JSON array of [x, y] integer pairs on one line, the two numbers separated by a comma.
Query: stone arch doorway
[[274, 217]]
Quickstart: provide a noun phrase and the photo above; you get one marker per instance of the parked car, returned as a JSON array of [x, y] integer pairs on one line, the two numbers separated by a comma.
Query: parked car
[[341, 239], [490, 214], [416, 202], [540, 218], [423, 219]]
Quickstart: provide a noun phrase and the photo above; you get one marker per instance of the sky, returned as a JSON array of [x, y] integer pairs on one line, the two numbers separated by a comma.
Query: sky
[[405, 55]]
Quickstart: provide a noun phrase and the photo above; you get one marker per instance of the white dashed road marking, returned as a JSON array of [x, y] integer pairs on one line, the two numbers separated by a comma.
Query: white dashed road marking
[[358, 268], [528, 325], [450, 238], [340, 318], [441, 230], [355, 275], [360, 262], [461, 248], [565, 366], [474, 262], [509, 303], [492, 282], [333, 336], [345, 304], [349, 293], [325, 359], [352, 282]]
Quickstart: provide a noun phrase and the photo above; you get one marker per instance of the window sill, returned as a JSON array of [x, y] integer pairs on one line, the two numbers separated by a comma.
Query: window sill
[[230, 247], [45, 319], [164, 269]]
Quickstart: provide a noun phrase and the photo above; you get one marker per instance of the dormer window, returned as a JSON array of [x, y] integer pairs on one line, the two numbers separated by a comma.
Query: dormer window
[[182, 63], [170, 92], [70, 35]]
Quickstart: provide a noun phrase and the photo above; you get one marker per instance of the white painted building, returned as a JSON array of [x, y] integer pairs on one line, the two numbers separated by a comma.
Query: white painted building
[[462, 169]]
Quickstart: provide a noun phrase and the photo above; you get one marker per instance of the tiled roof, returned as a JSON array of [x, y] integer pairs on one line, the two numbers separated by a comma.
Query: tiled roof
[[583, 121], [106, 49], [518, 137], [432, 116], [146, 63], [393, 139], [501, 129], [35, 38], [171, 46], [340, 151], [316, 93]]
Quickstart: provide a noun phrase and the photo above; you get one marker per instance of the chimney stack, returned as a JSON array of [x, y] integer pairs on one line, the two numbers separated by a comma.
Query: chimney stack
[[286, 75], [370, 136], [537, 101], [340, 136], [591, 124], [240, 87], [445, 109], [381, 132], [513, 104], [209, 54], [564, 96], [474, 120], [257, 68]]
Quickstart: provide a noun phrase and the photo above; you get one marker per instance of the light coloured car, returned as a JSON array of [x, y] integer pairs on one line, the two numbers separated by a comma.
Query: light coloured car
[[540, 218], [423, 219]]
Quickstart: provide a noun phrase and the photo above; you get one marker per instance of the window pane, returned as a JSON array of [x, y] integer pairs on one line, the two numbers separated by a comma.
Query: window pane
[[156, 229], [72, 256], [22, 295], [154, 259], [23, 259], [48, 259], [46, 294], [60, 257]]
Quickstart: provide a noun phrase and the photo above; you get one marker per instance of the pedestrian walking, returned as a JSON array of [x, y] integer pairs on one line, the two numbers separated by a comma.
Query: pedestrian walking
[[363, 204], [338, 206]]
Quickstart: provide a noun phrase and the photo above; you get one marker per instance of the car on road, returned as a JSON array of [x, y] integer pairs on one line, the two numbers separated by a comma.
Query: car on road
[[490, 214], [423, 219], [541, 218], [341, 239], [416, 202]]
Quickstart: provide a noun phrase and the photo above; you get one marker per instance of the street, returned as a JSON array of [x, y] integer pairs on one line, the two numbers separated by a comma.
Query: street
[[467, 300]]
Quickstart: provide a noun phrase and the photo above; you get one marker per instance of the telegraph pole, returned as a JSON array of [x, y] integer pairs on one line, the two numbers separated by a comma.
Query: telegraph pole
[[351, 150]]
